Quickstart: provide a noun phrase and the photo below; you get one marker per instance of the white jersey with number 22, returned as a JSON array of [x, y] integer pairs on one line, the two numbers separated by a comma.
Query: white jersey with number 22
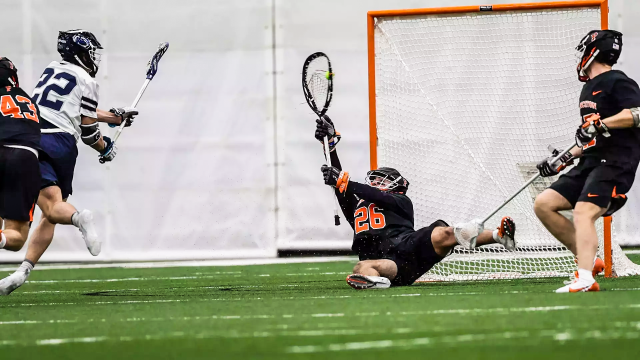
[[65, 93]]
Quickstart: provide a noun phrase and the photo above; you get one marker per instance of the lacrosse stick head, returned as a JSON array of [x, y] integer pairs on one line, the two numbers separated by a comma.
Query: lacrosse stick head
[[466, 234], [317, 82], [152, 65]]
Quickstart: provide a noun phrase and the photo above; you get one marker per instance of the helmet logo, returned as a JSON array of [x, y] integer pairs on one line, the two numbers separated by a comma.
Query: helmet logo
[[82, 41], [594, 36]]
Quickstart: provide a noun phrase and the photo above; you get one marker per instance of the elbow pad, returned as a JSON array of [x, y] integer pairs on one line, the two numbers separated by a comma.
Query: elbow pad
[[636, 116], [90, 133]]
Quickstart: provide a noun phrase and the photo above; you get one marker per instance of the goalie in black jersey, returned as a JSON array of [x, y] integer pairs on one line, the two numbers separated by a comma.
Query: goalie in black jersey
[[391, 252], [608, 145]]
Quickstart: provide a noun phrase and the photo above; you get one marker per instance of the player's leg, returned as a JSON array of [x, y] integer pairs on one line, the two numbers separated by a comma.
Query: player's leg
[[19, 185], [14, 234], [594, 200], [444, 240], [372, 274], [584, 218], [547, 207], [57, 179], [18, 196]]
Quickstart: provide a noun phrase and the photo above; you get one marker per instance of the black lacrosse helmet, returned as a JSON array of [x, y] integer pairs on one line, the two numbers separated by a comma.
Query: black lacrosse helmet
[[387, 179], [80, 47], [8, 73], [603, 46]]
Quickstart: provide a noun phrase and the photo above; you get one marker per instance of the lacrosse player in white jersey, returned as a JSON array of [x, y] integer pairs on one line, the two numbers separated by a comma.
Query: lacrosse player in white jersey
[[67, 95]]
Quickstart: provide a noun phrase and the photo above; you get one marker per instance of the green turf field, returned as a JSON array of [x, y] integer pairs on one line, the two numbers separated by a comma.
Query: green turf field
[[297, 311]]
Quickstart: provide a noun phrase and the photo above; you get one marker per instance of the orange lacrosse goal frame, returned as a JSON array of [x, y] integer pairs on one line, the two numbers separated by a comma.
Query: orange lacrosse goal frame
[[371, 15]]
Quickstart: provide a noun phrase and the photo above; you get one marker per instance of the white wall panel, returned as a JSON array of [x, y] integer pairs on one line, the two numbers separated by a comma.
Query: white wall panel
[[196, 175]]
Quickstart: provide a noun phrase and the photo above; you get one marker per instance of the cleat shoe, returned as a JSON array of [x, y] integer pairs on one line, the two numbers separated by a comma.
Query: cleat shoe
[[360, 282], [579, 286], [598, 266], [13, 281], [86, 227], [506, 233]]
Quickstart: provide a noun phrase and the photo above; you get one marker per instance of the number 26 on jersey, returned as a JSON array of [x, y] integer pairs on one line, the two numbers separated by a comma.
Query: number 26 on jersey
[[369, 217]]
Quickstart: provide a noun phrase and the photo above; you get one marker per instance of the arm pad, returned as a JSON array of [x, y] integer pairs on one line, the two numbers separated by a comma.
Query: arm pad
[[636, 116], [90, 133]]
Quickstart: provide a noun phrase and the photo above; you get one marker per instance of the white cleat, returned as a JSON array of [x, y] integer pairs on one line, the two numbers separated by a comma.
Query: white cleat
[[88, 230], [13, 281], [579, 285], [360, 282], [507, 233]]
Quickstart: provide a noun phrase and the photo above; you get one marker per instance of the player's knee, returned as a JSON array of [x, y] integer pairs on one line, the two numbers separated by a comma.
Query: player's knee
[[15, 244], [586, 212], [541, 205], [443, 237]]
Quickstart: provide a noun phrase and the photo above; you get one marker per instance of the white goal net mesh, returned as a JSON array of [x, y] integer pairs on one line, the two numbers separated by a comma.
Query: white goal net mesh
[[466, 105]]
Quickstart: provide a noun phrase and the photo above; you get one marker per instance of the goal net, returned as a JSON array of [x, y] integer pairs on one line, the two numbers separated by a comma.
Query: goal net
[[464, 102]]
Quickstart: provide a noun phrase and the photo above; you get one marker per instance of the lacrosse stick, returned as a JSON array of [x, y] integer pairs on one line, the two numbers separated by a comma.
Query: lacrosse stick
[[317, 85], [152, 69], [467, 233]]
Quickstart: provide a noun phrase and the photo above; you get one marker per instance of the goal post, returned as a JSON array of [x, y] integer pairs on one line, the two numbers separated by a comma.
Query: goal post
[[464, 101]]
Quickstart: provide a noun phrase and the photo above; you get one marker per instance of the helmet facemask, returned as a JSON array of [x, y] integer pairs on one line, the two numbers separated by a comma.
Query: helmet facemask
[[8, 73], [81, 48], [385, 180], [602, 46]]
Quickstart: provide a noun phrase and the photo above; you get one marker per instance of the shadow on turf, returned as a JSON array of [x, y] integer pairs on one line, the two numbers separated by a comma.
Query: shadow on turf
[[197, 290]]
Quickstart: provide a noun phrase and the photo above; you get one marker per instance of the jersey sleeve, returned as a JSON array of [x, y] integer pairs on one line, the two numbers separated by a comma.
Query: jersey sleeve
[[626, 93], [399, 204], [89, 100]]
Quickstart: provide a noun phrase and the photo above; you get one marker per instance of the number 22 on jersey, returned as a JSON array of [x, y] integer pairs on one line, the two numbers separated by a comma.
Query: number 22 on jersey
[[369, 217], [62, 78]]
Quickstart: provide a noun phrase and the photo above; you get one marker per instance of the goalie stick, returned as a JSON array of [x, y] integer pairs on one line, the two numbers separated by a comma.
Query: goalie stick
[[467, 233], [152, 69], [317, 85]]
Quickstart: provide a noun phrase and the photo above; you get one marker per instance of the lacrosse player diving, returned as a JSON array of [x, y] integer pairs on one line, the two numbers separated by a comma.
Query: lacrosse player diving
[[380, 213], [67, 95]]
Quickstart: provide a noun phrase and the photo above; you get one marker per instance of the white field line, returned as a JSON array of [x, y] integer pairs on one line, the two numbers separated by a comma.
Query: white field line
[[551, 334], [190, 263], [457, 340], [275, 298], [195, 277], [497, 311]]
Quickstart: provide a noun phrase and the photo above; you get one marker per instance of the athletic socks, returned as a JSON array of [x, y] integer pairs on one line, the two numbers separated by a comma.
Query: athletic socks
[[585, 275], [74, 219], [496, 237], [26, 266], [3, 240]]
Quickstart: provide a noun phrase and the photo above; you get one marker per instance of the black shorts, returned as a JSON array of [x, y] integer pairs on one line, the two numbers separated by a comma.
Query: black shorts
[[595, 182], [59, 163], [19, 183], [414, 255]]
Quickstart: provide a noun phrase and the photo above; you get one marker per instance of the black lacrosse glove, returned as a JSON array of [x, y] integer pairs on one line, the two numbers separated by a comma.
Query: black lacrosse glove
[[324, 128], [546, 168], [126, 114], [334, 177]]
